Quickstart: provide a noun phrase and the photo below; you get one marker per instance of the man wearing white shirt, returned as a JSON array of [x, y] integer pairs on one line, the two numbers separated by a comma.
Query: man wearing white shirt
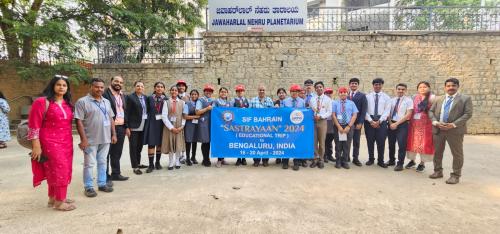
[[321, 104], [401, 111], [379, 108]]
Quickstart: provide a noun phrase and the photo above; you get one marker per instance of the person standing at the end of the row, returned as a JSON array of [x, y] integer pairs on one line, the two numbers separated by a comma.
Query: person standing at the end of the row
[[344, 117], [203, 109], [379, 108], [240, 101], [322, 107], [450, 114], [401, 112], [359, 99], [295, 102], [4, 121], [261, 101], [94, 121], [116, 98], [153, 131], [137, 115], [173, 133]]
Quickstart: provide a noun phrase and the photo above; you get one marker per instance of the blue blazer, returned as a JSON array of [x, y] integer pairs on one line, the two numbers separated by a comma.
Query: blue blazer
[[362, 104]]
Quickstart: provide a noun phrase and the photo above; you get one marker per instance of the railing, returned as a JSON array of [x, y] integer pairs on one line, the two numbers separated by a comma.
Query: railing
[[177, 50], [437, 18]]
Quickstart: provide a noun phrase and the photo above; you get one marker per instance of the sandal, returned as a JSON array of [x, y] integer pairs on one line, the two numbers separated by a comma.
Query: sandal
[[67, 201], [65, 207]]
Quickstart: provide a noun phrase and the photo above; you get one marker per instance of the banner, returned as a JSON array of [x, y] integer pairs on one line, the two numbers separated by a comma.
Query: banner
[[257, 15], [261, 133]]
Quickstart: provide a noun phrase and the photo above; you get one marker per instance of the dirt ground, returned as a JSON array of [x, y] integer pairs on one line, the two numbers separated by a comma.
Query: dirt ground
[[269, 200]]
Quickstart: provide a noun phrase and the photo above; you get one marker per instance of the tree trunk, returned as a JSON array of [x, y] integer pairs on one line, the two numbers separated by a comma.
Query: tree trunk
[[28, 52], [8, 32]]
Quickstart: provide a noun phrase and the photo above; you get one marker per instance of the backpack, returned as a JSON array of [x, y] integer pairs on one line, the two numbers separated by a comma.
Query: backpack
[[23, 129]]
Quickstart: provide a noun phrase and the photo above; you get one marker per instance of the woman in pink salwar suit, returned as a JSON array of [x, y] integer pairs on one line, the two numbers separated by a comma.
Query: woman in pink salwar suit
[[51, 136]]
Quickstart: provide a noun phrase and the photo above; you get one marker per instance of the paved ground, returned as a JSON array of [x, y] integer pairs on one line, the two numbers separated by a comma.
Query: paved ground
[[269, 200]]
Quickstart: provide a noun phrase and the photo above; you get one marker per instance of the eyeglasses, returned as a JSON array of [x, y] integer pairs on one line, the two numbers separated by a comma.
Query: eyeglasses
[[61, 76]]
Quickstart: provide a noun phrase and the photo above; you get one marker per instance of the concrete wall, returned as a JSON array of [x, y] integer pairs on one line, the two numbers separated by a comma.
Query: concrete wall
[[280, 59]]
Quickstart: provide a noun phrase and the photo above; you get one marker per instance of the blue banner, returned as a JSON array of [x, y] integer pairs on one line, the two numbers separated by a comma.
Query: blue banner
[[262, 133]]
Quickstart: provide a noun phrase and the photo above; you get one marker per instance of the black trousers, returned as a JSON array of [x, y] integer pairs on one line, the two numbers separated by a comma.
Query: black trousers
[[191, 148], [400, 135], [356, 139], [376, 135], [295, 161], [342, 148], [205, 150], [329, 145], [135, 147], [115, 152], [257, 160]]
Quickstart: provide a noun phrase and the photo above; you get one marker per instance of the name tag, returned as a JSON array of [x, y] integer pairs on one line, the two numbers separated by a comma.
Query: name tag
[[195, 121], [416, 116], [107, 123], [120, 115], [173, 119], [157, 117], [144, 116], [339, 117]]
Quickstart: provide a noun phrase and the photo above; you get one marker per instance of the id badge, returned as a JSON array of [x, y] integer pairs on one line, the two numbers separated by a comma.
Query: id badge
[[195, 121], [145, 116], [416, 116], [120, 115], [173, 119], [106, 123], [339, 117], [342, 136], [157, 117]]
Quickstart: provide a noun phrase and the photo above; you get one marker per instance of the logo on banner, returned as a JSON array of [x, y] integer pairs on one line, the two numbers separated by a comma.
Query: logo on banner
[[296, 116], [227, 116]]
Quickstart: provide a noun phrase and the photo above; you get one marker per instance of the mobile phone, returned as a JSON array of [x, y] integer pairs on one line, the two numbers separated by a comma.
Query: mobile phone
[[41, 159]]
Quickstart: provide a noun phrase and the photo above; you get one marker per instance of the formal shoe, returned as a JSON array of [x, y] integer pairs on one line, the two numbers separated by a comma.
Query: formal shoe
[[284, 166], [313, 164], [109, 183], [436, 175], [170, 168], [189, 163], [238, 162], [410, 164], [278, 160], [194, 161], [150, 169], [370, 162], [331, 158], [338, 165], [304, 163], [158, 166], [177, 167], [256, 164], [357, 162], [142, 166], [90, 192], [346, 165], [243, 162], [420, 167], [182, 160], [119, 178], [398, 167], [321, 165], [382, 164], [326, 160], [106, 189], [219, 164], [265, 163], [224, 162], [206, 163], [453, 180], [390, 163], [137, 171], [296, 167]]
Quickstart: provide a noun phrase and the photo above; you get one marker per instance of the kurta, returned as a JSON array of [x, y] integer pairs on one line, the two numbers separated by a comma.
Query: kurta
[[153, 131], [54, 133], [4, 121], [420, 130], [172, 112]]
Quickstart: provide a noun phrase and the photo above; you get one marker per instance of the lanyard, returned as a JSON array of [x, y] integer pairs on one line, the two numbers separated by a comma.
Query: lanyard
[[103, 111]]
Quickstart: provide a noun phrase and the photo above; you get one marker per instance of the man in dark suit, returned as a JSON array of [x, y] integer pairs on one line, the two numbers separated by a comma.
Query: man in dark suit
[[449, 114], [117, 100], [359, 99]]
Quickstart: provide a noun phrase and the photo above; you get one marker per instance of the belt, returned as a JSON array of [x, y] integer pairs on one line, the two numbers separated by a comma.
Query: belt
[[375, 117]]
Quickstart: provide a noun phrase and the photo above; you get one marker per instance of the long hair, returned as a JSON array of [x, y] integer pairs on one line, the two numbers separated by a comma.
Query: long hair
[[161, 83], [2, 96], [49, 93], [423, 106]]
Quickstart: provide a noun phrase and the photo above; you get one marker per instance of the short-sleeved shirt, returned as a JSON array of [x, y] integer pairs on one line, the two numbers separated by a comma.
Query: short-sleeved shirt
[[199, 104], [350, 110], [257, 102], [294, 103], [94, 114], [405, 104]]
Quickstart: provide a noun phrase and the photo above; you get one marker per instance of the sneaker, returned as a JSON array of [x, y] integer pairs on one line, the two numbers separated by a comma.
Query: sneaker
[[90, 192], [410, 164], [219, 164], [304, 163], [105, 189], [321, 165], [390, 163], [296, 167], [420, 167], [398, 167], [158, 166], [238, 162]]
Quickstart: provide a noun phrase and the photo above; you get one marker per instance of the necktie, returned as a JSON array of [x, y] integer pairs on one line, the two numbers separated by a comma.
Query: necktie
[[174, 106], [376, 104], [343, 113], [352, 94], [447, 109], [396, 109], [294, 103]]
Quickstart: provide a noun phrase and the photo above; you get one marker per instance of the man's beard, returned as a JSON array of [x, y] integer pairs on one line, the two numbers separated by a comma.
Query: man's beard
[[114, 87]]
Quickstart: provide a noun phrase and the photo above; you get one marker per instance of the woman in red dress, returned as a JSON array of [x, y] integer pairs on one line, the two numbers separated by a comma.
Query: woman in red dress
[[50, 133], [420, 130]]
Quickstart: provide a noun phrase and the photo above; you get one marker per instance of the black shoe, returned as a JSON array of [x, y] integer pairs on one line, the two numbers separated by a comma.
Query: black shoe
[[296, 167], [313, 164], [109, 183], [255, 164], [238, 162], [304, 163], [278, 160], [382, 164], [183, 160], [357, 162], [244, 162], [194, 161], [398, 167], [170, 168], [370, 162], [410, 164], [158, 166], [119, 178], [106, 189], [189, 163], [391, 163], [265, 163], [331, 158], [284, 166], [420, 167], [177, 167], [142, 166], [90, 192], [326, 160], [150, 169], [206, 163], [346, 165], [137, 171], [320, 165], [338, 165]]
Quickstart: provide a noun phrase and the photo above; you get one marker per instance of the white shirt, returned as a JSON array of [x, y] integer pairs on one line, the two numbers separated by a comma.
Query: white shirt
[[405, 104], [384, 106], [325, 103], [444, 104], [165, 117]]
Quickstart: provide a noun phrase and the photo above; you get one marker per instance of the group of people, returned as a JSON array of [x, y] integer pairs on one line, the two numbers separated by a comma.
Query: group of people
[[172, 122]]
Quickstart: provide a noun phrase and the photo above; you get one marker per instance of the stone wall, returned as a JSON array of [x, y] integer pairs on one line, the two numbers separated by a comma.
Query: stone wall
[[280, 59]]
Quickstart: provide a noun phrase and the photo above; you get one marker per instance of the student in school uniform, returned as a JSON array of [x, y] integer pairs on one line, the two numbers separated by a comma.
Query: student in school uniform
[[173, 131]]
